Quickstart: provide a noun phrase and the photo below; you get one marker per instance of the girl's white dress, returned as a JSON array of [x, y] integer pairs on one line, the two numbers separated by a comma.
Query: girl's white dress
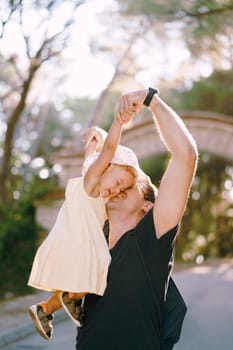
[[75, 256]]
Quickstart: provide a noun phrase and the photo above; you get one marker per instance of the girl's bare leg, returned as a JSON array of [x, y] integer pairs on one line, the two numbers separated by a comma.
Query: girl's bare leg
[[52, 304], [76, 295]]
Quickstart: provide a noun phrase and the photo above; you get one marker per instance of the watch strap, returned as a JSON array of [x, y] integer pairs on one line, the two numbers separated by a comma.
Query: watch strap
[[149, 96]]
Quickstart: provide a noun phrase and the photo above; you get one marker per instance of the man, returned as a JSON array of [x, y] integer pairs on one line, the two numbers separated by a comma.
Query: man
[[130, 314]]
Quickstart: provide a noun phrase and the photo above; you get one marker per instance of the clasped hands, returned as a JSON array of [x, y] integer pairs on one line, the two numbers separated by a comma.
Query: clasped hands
[[126, 108], [129, 105]]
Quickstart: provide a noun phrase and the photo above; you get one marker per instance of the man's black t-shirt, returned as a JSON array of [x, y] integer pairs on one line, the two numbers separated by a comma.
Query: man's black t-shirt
[[128, 315]]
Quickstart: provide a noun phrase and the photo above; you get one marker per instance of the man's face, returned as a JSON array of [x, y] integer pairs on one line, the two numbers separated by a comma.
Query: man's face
[[130, 200]]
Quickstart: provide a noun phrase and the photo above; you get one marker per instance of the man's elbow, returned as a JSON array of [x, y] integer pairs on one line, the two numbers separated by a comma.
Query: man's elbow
[[190, 155], [193, 151]]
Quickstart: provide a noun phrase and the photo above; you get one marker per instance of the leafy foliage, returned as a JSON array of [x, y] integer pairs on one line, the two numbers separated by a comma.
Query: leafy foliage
[[206, 25], [211, 94], [178, 9], [64, 127], [19, 238], [17, 247], [41, 42], [207, 224], [150, 7], [206, 228]]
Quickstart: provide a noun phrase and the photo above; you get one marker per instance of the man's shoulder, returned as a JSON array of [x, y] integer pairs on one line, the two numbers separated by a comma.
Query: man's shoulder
[[147, 227]]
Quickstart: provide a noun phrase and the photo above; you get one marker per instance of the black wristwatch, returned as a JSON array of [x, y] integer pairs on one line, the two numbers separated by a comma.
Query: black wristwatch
[[149, 96]]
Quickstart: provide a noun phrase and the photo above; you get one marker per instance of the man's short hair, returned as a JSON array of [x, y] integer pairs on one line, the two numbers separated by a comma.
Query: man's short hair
[[149, 190]]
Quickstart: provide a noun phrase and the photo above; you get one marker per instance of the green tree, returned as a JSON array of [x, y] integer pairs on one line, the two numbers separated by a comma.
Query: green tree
[[206, 229], [17, 247], [211, 94], [207, 226], [19, 237], [205, 25], [42, 42]]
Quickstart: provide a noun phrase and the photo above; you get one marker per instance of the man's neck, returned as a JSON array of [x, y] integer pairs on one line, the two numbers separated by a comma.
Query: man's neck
[[119, 225]]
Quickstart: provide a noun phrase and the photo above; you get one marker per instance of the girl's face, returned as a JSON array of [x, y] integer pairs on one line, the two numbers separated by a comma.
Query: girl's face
[[115, 180]]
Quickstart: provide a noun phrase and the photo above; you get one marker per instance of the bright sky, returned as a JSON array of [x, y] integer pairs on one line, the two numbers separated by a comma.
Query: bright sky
[[87, 74], [91, 73]]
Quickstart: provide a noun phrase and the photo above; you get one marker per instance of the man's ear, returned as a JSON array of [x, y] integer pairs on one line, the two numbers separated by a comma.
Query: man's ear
[[147, 206]]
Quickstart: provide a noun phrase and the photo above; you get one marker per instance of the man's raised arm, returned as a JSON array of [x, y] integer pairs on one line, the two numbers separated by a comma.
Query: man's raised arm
[[176, 182]]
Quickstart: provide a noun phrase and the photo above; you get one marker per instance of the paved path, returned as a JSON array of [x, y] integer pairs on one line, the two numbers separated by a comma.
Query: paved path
[[63, 339], [207, 290]]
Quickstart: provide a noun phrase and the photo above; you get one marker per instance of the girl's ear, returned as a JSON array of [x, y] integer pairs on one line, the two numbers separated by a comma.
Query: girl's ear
[[147, 206]]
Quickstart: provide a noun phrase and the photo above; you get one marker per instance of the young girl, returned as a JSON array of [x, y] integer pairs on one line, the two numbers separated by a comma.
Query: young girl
[[74, 258]]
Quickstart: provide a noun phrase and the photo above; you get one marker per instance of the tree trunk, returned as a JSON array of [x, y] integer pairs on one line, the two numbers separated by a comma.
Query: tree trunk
[[5, 174]]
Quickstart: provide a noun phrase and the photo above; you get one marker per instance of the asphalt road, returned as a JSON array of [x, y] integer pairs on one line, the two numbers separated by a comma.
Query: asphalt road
[[208, 292], [63, 339]]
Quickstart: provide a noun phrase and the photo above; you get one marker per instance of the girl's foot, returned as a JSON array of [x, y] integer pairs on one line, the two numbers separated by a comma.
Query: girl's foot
[[73, 308], [42, 321]]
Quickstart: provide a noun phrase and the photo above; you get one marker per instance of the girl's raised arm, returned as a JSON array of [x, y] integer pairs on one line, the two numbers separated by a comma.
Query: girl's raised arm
[[96, 170]]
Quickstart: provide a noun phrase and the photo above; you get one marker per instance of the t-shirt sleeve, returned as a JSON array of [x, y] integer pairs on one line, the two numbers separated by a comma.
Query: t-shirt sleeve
[[146, 234]]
